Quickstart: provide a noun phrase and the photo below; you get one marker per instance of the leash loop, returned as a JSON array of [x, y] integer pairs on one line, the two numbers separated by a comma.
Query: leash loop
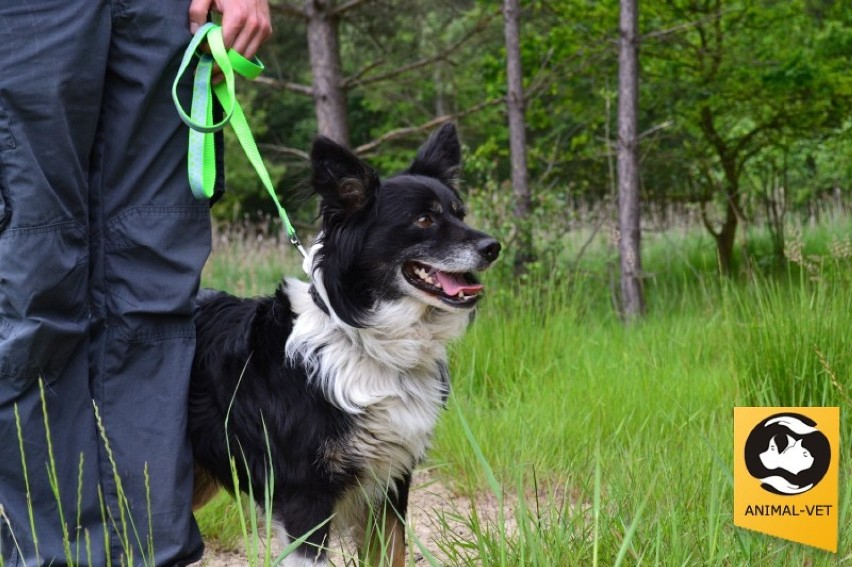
[[201, 154]]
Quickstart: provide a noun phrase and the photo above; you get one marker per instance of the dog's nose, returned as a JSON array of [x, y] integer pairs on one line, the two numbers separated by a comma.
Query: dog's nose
[[490, 249]]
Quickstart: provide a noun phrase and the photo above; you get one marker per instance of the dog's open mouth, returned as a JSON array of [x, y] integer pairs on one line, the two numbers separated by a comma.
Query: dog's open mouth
[[456, 289]]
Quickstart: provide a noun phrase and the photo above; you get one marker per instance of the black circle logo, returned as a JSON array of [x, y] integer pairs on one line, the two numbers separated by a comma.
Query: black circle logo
[[787, 454]]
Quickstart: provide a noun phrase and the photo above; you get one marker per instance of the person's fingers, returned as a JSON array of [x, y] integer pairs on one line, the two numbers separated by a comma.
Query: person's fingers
[[246, 25], [254, 44], [234, 15], [198, 11]]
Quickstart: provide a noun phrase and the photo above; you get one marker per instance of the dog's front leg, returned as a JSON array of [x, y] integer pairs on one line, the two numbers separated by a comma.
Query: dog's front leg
[[384, 539], [297, 513]]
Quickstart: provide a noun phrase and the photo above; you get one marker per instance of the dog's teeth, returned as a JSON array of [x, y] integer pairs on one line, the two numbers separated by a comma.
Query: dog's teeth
[[425, 276], [461, 294]]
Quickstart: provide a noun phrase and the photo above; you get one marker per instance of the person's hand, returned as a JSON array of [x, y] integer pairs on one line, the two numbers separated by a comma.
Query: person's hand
[[245, 23]]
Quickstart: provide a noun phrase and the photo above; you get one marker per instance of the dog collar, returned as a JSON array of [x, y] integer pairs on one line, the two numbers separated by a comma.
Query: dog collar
[[318, 301]]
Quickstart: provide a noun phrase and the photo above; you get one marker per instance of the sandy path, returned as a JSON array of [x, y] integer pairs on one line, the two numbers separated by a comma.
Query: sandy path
[[435, 514]]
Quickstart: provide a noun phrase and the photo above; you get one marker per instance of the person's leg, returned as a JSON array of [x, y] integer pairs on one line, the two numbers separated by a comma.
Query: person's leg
[[156, 239], [54, 57]]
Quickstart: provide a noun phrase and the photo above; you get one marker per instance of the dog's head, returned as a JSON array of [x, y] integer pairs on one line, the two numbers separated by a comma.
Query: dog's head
[[402, 237]]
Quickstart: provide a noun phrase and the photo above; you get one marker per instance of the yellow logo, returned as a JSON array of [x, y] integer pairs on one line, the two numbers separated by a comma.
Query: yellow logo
[[785, 473]]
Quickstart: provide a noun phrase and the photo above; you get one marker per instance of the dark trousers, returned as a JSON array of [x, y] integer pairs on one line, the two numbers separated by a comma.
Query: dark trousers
[[101, 249]]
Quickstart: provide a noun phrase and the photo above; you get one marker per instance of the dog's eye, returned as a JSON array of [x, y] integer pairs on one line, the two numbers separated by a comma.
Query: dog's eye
[[424, 221]]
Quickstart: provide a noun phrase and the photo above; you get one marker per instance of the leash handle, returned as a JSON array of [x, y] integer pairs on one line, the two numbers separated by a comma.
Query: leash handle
[[201, 155]]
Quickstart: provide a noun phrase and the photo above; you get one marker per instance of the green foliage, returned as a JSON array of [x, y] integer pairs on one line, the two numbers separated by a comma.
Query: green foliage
[[764, 74], [728, 92], [789, 336]]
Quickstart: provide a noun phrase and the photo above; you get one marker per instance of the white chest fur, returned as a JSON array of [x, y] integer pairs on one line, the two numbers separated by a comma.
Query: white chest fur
[[390, 376]]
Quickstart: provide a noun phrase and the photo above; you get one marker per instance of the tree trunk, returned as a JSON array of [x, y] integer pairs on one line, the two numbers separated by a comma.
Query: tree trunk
[[633, 302], [725, 238], [328, 92], [725, 248], [517, 134]]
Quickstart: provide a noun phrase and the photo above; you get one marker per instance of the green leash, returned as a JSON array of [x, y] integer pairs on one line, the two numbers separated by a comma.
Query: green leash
[[202, 158]]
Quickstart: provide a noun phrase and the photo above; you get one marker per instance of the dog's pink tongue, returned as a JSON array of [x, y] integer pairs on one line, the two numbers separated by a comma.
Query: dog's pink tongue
[[452, 284]]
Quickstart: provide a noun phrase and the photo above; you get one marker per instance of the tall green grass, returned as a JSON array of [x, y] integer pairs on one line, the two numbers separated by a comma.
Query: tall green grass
[[77, 546], [253, 522], [636, 421], [613, 444]]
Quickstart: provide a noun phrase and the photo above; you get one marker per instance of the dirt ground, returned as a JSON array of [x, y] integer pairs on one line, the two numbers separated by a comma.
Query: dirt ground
[[435, 514]]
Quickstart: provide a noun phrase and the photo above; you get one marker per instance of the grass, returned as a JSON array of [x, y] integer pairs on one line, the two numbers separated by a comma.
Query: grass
[[135, 551], [253, 529], [616, 442], [597, 443]]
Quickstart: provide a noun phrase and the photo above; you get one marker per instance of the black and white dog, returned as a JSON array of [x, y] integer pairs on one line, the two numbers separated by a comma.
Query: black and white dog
[[335, 385]]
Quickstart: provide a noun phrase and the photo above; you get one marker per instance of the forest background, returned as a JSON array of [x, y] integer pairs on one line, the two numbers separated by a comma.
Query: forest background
[[743, 114], [601, 442]]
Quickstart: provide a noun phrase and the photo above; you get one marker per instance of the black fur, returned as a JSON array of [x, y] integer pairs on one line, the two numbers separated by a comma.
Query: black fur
[[241, 381]]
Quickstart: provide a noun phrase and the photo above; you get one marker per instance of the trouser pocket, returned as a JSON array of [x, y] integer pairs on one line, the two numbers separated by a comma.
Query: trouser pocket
[[154, 259], [43, 306]]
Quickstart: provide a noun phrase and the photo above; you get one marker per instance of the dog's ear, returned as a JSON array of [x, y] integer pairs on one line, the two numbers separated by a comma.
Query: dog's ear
[[342, 180], [440, 157]]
